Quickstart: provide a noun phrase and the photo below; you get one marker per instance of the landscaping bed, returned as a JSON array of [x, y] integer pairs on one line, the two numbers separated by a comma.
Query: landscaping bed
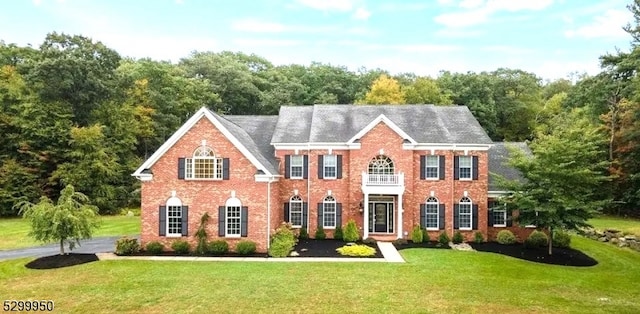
[[427, 245], [58, 261], [170, 253], [326, 248], [561, 256]]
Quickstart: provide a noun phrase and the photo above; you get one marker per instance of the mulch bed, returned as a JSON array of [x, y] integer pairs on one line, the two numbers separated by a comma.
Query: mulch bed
[[426, 245], [228, 254], [58, 261], [560, 256], [326, 248]]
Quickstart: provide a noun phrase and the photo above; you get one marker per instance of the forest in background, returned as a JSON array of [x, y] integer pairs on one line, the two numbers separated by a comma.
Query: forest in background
[[73, 111]]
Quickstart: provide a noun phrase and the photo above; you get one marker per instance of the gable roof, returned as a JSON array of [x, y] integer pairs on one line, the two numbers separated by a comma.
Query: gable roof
[[498, 163], [259, 129], [341, 123]]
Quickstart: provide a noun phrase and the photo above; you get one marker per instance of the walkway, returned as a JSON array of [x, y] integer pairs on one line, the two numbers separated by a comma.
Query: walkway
[[389, 252]]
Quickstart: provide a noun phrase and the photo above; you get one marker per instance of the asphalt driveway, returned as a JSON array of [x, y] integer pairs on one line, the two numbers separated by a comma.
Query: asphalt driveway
[[95, 245]]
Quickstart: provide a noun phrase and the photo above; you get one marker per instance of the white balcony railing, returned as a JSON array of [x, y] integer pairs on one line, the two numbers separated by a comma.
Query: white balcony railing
[[383, 179]]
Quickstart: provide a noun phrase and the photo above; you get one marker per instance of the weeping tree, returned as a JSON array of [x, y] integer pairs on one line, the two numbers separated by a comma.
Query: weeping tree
[[68, 220]]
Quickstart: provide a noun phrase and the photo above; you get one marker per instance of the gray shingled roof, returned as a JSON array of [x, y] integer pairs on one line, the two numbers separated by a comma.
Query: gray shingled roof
[[339, 123], [498, 158]]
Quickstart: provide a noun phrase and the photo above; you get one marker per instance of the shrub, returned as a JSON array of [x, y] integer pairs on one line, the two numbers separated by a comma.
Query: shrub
[[425, 236], [127, 246], [246, 247], [457, 238], [351, 232], [416, 234], [282, 241], [370, 241], [303, 234], [181, 247], [399, 242], [337, 234], [356, 250], [536, 239], [443, 238], [506, 237], [320, 235], [478, 237], [218, 247], [201, 234], [154, 247], [561, 239]]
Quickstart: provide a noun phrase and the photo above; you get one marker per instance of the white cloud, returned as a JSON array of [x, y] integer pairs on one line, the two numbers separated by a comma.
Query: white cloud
[[476, 12], [471, 4], [37, 2], [463, 19], [607, 25], [361, 14], [328, 5], [179, 1], [262, 42], [257, 26], [425, 48]]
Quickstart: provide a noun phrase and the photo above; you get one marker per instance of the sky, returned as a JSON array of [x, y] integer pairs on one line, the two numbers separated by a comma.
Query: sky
[[551, 38]]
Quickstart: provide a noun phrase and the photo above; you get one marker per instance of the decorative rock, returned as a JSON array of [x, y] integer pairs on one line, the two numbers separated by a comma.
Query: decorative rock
[[303, 250], [614, 240], [294, 254], [603, 239], [599, 233], [350, 243], [461, 246], [623, 244], [630, 237], [612, 230], [622, 239], [634, 245], [129, 214]]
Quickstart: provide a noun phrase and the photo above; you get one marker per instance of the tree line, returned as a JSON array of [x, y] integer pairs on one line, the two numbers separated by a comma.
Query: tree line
[[75, 112]]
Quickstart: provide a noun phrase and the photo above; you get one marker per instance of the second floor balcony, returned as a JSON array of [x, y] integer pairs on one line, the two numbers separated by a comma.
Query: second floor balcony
[[382, 179]]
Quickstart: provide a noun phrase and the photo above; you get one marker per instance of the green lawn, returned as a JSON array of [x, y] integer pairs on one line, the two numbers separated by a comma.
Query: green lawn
[[431, 281], [14, 231], [623, 224]]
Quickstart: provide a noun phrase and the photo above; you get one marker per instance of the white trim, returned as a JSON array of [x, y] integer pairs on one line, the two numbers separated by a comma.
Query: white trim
[[324, 167], [497, 194], [388, 122], [301, 157], [203, 112], [266, 178], [315, 146], [324, 211], [470, 203], [426, 163], [451, 147], [504, 211], [437, 203], [232, 203]]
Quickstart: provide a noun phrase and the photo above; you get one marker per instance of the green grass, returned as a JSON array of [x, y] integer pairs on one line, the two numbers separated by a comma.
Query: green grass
[[438, 281], [627, 225], [14, 231]]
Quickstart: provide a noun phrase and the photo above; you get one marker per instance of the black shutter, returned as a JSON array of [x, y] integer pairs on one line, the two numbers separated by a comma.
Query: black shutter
[[423, 220], [339, 167], [286, 212], [491, 204], [305, 167], [181, 168], [474, 217], [320, 166], [287, 166], [221, 221], [339, 215], [456, 216], [162, 221], [185, 221], [509, 217], [474, 163], [442, 216], [305, 214], [423, 162], [244, 217], [320, 215], [225, 169], [456, 168], [441, 172]]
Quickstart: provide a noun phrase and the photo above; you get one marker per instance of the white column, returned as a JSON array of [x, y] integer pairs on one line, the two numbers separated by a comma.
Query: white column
[[400, 210], [365, 209]]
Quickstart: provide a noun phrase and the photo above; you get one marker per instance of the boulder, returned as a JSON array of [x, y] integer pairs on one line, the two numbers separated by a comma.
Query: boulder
[[623, 244], [630, 237], [634, 245], [614, 240], [603, 239], [612, 230]]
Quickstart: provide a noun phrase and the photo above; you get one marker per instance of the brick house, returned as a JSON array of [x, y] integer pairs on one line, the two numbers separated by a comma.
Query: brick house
[[388, 168]]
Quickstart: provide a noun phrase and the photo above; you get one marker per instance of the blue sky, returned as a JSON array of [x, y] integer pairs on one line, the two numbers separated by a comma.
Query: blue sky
[[551, 38]]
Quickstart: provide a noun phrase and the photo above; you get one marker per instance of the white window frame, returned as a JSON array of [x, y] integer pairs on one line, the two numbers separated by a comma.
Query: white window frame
[[432, 201], [232, 220], [333, 158], [203, 154], [465, 201], [460, 167], [295, 200], [500, 209], [174, 204], [296, 161], [427, 166], [331, 201]]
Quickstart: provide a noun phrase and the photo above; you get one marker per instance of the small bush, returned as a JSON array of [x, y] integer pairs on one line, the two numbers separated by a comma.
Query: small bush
[[320, 235], [561, 239], [154, 247], [399, 242], [282, 241], [127, 246], [246, 247], [425, 236], [478, 237], [506, 237], [218, 247], [416, 234], [443, 238], [457, 238], [303, 234], [181, 247], [351, 232], [356, 250], [370, 241], [536, 239], [337, 234]]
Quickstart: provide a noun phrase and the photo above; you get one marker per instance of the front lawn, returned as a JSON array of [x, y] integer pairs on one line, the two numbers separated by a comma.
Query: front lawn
[[628, 225], [431, 281], [14, 231]]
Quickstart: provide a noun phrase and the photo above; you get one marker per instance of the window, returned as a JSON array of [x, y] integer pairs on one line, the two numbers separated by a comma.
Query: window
[[295, 211], [465, 213], [431, 214], [174, 220], [329, 212], [330, 166], [432, 167], [381, 165], [233, 221], [465, 163], [296, 166], [499, 215], [204, 165]]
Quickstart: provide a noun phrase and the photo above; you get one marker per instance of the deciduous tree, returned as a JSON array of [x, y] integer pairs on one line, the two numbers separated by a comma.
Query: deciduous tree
[[384, 90]]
